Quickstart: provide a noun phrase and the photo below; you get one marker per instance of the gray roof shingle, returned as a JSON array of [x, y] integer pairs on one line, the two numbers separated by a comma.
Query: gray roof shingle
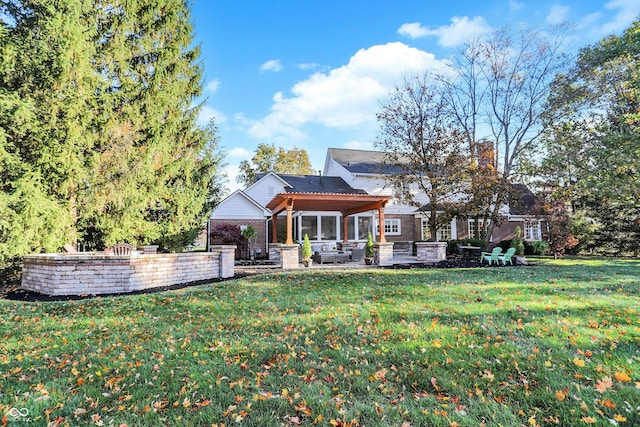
[[363, 161], [317, 184]]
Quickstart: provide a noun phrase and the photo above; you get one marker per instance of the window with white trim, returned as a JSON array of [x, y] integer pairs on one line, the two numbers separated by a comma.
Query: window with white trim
[[444, 233], [472, 228], [392, 226], [532, 230]]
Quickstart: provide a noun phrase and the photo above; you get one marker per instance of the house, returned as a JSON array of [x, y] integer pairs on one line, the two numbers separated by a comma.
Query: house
[[349, 199]]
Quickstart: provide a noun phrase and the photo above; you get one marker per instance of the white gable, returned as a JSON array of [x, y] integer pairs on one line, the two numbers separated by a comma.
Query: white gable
[[239, 206], [263, 190], [333, 168]]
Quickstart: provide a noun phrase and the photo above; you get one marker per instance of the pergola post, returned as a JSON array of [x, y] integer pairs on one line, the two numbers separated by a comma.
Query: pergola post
[[345, 233], [382, 239], [274, 228], [289, 224]]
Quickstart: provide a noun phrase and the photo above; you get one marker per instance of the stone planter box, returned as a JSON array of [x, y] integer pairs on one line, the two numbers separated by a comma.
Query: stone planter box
[[93, 273]]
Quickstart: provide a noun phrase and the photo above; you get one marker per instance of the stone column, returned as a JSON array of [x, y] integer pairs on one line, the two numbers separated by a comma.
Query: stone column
[[226, 260], [275, 252], [384, 253], [289, 256], [431, 252]]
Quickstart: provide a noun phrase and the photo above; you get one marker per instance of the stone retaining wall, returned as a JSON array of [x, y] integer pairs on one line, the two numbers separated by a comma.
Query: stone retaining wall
[[93, 273]]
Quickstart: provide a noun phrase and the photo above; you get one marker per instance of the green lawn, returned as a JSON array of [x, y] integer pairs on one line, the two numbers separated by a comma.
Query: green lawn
[[553, 344]]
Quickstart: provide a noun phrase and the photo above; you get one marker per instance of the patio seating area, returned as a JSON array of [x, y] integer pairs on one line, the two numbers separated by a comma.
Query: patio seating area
[[331, 257]]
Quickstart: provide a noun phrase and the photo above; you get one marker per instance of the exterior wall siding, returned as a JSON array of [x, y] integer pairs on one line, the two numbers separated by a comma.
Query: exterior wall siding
[[505, 231], [237, 206], [264, 190]]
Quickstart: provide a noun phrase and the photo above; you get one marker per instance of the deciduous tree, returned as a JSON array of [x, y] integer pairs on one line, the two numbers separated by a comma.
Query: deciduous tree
[[268, 158], [593, 138], [496, 90], [424, 146]]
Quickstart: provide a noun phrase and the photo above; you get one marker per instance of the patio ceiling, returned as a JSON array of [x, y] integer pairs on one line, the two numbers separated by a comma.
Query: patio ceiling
[[347, 204]]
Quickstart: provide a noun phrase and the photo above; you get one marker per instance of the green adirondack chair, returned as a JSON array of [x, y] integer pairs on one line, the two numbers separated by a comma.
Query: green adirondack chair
[[507, 257], [492, 256]]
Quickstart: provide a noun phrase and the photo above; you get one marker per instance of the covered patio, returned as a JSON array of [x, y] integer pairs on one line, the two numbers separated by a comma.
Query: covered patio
[[346, 204]]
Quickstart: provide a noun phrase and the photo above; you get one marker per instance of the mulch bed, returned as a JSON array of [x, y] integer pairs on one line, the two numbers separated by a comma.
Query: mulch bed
[[10, 282], [12, 291]]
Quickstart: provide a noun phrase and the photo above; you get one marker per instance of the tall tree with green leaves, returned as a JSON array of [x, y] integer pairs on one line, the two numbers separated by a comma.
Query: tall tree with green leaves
[[593, 139], [102, 129], [268, 158]]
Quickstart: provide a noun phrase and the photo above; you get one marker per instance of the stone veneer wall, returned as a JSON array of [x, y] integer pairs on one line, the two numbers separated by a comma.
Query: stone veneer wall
[[384, 253], [80, 274], [431, 251], [290, 256]]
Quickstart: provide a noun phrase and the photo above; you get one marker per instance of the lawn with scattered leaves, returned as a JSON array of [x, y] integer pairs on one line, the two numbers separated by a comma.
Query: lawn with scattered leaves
[[552, 344]]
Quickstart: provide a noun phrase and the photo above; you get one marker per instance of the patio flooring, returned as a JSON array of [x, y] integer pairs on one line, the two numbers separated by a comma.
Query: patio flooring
[[399, 259]]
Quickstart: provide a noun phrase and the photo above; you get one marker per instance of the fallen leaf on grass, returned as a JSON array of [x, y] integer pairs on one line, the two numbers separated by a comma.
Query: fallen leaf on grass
[[622, 377], [604, 384]]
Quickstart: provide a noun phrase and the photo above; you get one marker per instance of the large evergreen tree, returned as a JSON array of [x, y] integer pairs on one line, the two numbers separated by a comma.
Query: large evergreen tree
[[98, 140]]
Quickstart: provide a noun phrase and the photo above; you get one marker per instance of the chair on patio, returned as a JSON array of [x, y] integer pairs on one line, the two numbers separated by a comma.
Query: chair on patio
[[507, 257], [357, 253], [122, 249], [492, 256], [70, 249]]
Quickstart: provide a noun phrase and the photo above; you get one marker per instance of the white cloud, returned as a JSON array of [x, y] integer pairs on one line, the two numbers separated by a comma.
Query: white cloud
[[627, 12], [231, 171], [308, 66], [602, 23], [558, 14], [461, 30], [240, 153], [272, 65], [207, 113], [413, 30], [345, 96], [514, 5], [359, 145], [213, 85]]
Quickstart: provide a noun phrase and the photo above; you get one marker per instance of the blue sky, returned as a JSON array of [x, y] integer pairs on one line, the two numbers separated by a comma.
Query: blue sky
[[312, 73]]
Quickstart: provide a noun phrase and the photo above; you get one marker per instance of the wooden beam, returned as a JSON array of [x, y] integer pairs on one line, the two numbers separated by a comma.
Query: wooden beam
[[286, 201], [366, 207]]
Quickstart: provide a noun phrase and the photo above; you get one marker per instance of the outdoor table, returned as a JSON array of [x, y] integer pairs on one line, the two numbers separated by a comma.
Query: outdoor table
[[471, 250], [335, 257]]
